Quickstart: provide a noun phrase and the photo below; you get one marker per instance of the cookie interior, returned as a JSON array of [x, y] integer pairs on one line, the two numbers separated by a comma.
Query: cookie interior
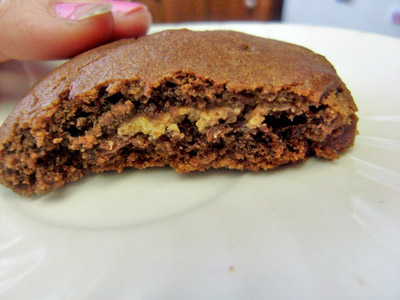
[[187, 122]]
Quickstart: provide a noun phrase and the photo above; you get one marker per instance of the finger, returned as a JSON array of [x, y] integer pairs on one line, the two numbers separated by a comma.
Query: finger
[[131, 19], [38, 30]]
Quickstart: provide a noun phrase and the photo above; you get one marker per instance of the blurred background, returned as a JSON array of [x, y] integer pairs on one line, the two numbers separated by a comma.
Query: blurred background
[[378, 16]]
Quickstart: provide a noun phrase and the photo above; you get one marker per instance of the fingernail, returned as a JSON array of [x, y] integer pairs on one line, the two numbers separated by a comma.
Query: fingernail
[[124, 8], [81, 11]]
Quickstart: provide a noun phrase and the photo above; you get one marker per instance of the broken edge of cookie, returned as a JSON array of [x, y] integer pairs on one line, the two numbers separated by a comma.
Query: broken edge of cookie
[[190, 100]]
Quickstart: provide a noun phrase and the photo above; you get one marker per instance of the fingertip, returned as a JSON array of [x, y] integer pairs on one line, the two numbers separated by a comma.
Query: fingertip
[[41, 34], [75, 37], [53, 32], [132, 24]]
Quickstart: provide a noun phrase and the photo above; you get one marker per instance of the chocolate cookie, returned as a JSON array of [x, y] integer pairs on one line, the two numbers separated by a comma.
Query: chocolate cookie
[[190, 100]]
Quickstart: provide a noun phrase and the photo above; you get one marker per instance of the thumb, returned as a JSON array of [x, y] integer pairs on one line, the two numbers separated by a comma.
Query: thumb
[[42, 29]]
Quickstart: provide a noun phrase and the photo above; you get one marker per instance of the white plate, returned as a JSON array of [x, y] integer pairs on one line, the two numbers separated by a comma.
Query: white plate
[[317, 230]]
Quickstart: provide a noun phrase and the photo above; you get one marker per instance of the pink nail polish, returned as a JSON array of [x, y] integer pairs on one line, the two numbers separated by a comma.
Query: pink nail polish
[[80, 11], [123, 7]]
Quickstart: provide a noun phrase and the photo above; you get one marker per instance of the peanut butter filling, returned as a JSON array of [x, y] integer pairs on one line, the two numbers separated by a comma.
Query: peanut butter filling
[[168, 122], [256, 116]]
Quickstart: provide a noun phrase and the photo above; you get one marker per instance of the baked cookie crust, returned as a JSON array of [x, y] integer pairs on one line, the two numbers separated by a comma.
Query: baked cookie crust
[[190, 100]]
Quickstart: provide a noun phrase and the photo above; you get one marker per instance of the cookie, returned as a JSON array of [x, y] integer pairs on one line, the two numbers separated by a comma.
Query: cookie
[[179, 98]]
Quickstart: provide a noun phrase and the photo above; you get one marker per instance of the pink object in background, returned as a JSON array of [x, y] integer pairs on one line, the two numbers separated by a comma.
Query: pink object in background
[[396, 16]]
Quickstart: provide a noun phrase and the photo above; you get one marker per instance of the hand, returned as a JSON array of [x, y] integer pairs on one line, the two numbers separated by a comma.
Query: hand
[[50, 29]]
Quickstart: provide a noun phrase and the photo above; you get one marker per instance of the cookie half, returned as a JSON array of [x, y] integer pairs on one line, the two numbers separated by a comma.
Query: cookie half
[[190, 100]]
